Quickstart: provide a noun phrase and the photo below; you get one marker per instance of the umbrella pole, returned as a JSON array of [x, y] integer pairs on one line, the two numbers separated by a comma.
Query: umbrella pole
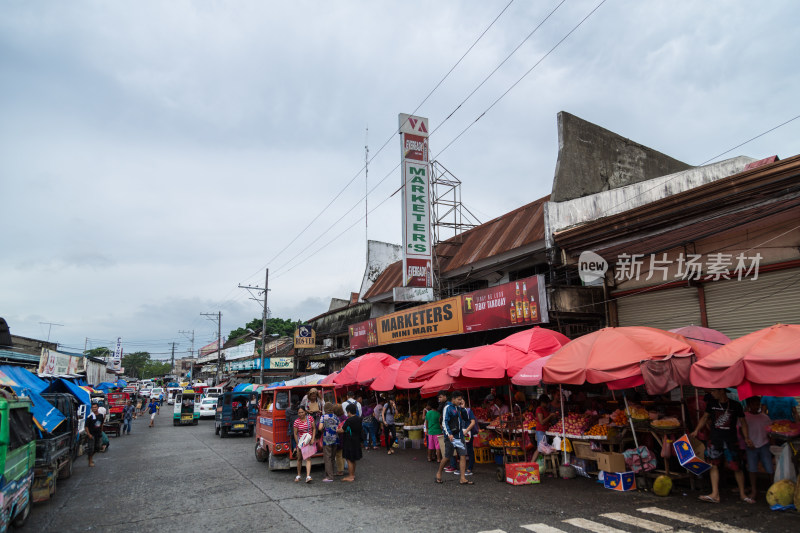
[[683, 408], [630, 420], [563, 424], [469, 402]]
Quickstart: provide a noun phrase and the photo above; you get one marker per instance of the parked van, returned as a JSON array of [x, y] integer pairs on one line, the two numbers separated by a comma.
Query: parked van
[[213, 392], [17, 459], [187, 408], [273, 444], [236, 413]]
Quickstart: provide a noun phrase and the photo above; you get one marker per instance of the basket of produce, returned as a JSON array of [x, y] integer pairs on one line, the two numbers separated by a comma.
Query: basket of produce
[[665, 423], [574, 424], [597, 430], [640, 416], [786, 428]]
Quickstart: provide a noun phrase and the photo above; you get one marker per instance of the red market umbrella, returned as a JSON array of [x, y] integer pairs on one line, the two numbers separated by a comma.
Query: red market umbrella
[[441, 380], [505, 358], [395, 376], [703, 340], [765, 362], [432, 366], [619, 356], [535, 340], [363, 369], [531, 374], [328, 380]]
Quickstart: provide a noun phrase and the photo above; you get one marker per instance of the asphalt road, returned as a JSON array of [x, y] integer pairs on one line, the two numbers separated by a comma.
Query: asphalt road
[[187, 479]]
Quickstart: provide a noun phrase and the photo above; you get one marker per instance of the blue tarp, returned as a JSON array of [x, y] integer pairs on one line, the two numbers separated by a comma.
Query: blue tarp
[[434, 354], [104, 386], [23, 383], [122, 383], [276, 384], [63, 385], [240, 387]]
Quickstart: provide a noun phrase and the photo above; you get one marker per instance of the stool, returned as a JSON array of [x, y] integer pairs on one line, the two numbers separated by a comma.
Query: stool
[[483, 456], [552, 462]]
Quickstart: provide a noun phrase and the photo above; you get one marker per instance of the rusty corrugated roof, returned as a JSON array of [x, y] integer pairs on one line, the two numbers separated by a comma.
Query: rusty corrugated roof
[[518, 228]]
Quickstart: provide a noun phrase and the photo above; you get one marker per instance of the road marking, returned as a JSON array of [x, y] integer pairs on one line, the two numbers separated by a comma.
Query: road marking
[[492, 531], [596, 527], [689, 519], [542, 528], [639, 523]]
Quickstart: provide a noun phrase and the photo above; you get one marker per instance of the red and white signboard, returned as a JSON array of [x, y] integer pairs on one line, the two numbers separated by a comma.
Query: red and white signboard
[[417, 234]]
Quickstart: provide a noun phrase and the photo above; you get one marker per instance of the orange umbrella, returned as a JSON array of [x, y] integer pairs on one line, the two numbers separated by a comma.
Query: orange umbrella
[[614, 356], [363, 369], [765, 362], [395, 376]]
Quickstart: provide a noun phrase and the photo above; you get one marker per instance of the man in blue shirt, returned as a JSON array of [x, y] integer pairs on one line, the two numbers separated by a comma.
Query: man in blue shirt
[[152, 409], [780, 408], [454, 422]]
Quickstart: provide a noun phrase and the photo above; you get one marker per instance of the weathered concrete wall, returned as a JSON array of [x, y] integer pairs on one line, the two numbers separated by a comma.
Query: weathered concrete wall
[[562, 215], [379, 256], [592, 159]]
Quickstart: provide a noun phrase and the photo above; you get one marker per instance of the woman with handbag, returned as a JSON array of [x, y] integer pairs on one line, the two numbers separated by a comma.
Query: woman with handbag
[[304, 425]]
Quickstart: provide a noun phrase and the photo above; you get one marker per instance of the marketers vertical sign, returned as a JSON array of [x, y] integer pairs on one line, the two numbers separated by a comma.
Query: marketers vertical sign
[[417, 242], [116, 359]]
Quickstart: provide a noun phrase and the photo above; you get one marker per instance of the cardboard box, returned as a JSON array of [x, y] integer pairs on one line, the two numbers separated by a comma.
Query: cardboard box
[[522, 473], [583, 450], [687, 451], [611, 462], [619, 481]]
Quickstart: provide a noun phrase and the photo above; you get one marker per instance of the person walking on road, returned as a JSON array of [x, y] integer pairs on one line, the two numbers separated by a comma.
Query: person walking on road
[[454, 421], [389, 431], [94, 432], [153, 410], [352, 435], [127, 417]]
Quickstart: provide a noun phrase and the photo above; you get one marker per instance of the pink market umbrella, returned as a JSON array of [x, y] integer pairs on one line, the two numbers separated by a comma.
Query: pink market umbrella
[[441, 380], [395, 376], [703, 340], [765, 362], [328, 380], [363, 369], [430, 367], [531, 374], [535, 340]]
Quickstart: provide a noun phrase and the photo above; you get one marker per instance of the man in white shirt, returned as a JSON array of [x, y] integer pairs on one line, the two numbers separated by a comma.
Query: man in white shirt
[[351, 398]]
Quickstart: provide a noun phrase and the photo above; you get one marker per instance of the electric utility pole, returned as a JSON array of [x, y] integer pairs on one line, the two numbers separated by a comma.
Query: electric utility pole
[[218, 314], [264, 312], [173, 359]]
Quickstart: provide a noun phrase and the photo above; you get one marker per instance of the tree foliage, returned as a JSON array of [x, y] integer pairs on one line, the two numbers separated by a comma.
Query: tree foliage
[[154, 369], [282, 326], [102, 352], [135, 363]]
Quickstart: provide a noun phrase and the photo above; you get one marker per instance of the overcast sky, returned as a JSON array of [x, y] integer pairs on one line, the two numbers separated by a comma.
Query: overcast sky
[[153, 155]]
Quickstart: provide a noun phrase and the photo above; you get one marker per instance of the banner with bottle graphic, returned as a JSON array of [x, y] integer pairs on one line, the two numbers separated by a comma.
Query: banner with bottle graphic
[[518, 303]]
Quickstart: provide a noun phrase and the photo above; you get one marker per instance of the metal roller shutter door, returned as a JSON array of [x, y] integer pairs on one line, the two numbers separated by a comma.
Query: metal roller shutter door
[[737, 308], [664, 309]]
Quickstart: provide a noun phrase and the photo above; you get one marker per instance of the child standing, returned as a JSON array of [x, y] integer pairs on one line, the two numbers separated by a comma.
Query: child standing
[[757, 423], [433, 428]]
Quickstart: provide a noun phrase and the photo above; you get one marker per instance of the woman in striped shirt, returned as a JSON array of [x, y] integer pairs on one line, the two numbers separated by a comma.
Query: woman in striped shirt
[[304, 424]]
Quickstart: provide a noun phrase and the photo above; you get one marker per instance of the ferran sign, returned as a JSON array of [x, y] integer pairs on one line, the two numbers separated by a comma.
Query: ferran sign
[[304, 337]]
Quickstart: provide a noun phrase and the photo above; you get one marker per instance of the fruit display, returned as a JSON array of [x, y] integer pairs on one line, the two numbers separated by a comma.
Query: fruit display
[[597, 430], [574, 424], [662, 486], [480, 413], [639, 413], [666, 423], [619, 418], [528, 420], [781, 493], [785, 427], [498, 442]]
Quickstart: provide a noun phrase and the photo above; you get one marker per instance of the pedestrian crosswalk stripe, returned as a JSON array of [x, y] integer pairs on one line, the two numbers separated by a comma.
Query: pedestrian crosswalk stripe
[[596, 527], [542, 528], [639, 523], [492, 531], [694, 520]]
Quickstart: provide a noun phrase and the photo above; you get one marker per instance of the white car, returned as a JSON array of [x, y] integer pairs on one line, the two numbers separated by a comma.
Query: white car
[[208, 407], [157, 393]]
